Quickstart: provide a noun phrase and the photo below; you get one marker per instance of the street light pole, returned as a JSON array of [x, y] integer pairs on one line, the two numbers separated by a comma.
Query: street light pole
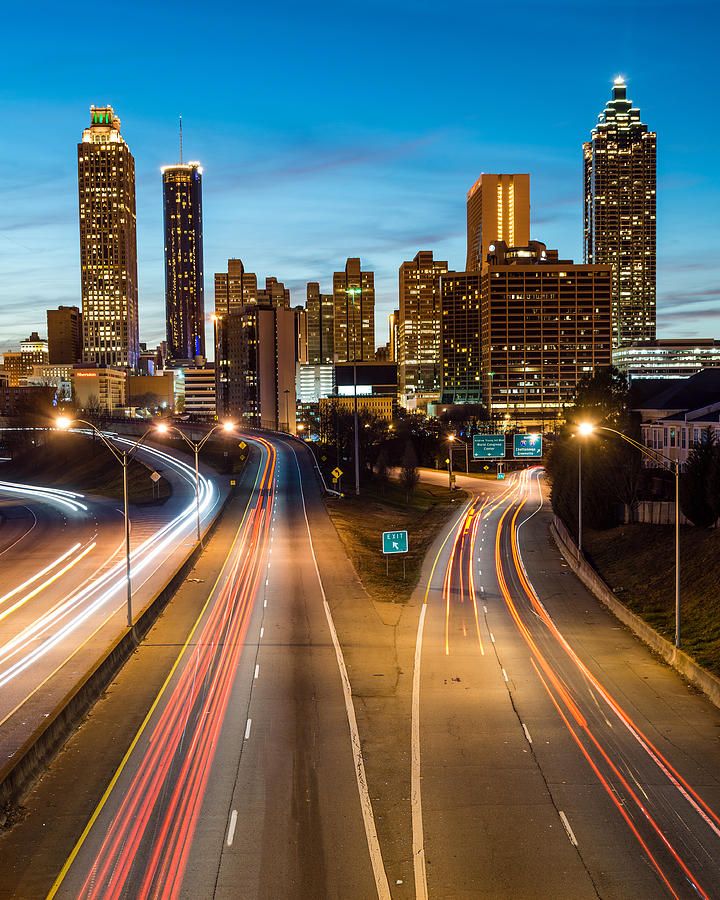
[[672, 465], [196, 447], [579, 497], [123, 457], [451, 438]]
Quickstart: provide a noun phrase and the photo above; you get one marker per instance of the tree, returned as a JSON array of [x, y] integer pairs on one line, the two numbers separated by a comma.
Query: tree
[[409, 475], [699, 483], [602, 398]]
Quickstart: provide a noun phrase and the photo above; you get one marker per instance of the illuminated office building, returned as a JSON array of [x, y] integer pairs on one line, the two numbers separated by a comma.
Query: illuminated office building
[[545, 323], [418, 329], [668, 358], [184, 283], [320, 326], [619, 187], [353, 314], [498, 209], [460, 350], [108, 248]]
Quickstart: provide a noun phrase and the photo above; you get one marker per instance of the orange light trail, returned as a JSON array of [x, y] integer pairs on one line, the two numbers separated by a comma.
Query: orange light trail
[[538, 660]]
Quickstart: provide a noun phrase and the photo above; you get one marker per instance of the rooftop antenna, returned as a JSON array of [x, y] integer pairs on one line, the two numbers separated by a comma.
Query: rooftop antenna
[[180, 140]]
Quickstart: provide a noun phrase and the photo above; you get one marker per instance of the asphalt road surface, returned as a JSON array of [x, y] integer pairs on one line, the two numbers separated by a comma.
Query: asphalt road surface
[[557, 757]]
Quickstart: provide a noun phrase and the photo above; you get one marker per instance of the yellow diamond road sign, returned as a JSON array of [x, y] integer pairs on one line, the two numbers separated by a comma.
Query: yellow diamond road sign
[[242, 445], [336, 472]]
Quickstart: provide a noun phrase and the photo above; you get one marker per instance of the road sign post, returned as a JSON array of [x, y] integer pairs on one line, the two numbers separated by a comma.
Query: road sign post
[[394, 542]]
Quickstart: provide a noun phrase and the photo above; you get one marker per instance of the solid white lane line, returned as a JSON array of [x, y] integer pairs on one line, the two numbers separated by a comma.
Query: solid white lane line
[[527, 733], [415, 794], [257, 671], [566, 825], [381, 882], [504, 674], [231, 829], [247, 729]]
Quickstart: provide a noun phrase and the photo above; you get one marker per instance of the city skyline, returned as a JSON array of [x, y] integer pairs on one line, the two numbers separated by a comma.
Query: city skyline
[[294, 188]]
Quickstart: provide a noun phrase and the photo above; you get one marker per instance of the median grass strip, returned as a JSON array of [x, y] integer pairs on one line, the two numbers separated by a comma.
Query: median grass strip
[[638, 563], [360, 522]]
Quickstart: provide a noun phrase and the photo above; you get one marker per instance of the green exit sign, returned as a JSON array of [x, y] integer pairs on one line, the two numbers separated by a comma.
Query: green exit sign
[[395, 542]]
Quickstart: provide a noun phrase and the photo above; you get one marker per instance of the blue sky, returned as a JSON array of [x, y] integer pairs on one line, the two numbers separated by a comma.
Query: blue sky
[[329, 130]]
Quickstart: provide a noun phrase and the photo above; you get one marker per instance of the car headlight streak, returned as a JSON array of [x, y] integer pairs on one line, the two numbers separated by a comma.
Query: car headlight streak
[[70, 613]]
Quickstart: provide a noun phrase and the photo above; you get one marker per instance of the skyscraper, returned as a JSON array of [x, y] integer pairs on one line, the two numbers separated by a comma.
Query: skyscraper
[[108, 248], [418, 347], [184, 284], [354, 313], [321, 347], [498, 209], [619, 187], [64, 335]]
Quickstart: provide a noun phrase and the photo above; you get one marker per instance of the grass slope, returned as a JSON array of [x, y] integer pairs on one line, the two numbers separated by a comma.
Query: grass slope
[[638, 562]]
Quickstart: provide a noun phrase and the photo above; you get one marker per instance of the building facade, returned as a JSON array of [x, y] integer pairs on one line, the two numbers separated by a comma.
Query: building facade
[[320, 326], [99, 389], [545, 324], [108, 246], [353, 313], [619, 182], [669, 358], [184, 279], [200, 391], [65, 339], [460, 350], [498, 209], [418, 330]]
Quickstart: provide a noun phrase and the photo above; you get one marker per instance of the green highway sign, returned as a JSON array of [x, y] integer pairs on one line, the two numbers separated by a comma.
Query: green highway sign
[[527, 446], [488, 446], [395, 542], [500, 476]]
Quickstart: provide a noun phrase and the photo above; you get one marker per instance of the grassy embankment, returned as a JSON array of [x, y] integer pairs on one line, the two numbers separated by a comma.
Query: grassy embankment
[[638, 562], [83, 464], [361, 521]]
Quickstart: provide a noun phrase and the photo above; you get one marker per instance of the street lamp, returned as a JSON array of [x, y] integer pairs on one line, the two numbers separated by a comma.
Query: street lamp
[[197, 447], [672, 465], [123, 457], [451, 438]]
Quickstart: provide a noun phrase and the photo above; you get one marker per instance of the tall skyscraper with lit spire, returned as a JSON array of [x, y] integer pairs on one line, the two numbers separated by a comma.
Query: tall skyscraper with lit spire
[[184, 283], [619, 185], [108, 245]]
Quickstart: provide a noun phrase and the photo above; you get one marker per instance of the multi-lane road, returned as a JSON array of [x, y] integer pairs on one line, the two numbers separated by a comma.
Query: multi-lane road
[[63, 592], [500, 737]]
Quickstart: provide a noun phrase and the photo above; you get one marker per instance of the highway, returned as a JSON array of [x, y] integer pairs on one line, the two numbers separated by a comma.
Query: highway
[[557, 756], [242, 779], [63, 597], [278, 735]]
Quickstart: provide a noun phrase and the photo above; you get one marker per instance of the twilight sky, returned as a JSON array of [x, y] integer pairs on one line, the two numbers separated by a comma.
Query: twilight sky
[[335, 129]]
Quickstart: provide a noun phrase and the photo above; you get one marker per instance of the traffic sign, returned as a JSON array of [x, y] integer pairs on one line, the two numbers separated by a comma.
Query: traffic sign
[[336, 472], [395, 541], [500, 476], [242, 445], [155, 477], [488, 446], [527, 445]]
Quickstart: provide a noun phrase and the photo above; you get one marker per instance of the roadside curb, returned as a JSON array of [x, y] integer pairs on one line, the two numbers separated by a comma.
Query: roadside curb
[[33, 757], [708, 683]]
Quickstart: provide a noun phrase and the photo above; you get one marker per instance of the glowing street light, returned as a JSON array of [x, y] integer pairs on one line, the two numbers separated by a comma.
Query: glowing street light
[[197, 447], [123, 457]]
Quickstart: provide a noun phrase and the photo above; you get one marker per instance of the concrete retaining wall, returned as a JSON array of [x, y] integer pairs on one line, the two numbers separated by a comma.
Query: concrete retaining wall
[[709, 684], [34, 756]]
